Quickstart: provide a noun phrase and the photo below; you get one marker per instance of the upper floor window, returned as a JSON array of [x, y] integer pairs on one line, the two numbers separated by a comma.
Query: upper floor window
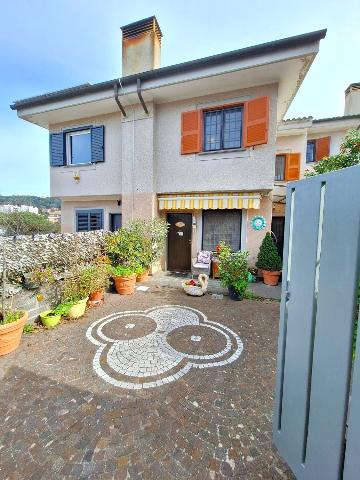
[[222, 129], [280, 167], [311, 151], [78, 147]]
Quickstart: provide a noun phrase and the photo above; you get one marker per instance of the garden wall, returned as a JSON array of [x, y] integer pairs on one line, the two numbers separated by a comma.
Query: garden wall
[[24, 253]]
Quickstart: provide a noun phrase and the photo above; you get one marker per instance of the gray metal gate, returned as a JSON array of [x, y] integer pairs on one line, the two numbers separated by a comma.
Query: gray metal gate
[[317, 403]]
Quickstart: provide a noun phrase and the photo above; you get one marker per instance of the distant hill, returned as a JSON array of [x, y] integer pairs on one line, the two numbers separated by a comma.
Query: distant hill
[[40, 202]]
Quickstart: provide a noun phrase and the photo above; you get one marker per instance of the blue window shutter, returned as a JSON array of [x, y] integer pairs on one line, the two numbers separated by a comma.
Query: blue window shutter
[[57, 150], [88, 220], [97, 144]]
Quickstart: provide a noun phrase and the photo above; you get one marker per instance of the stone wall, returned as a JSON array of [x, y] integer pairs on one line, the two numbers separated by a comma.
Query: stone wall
[[24, 253]]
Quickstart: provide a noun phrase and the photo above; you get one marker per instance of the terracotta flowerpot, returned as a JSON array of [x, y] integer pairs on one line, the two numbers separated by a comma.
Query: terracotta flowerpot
[[142, 277], [78, 309], [96, 298], [10, 334], [271, 278], [125, 285]]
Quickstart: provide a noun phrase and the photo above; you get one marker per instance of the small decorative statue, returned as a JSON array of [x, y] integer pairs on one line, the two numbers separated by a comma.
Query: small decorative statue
[[196, 288]]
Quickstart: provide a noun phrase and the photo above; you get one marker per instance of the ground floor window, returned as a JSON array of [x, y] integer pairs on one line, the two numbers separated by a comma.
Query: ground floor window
[[221, 225], [88, 220]]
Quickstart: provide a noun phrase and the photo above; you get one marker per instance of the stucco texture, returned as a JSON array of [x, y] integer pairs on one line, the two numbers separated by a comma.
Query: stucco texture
[[252, 169], [69, 207], [95, 179]]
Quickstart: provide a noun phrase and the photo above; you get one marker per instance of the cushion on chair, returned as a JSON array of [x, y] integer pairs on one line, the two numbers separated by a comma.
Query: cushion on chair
[[204, 257], [200, 265]]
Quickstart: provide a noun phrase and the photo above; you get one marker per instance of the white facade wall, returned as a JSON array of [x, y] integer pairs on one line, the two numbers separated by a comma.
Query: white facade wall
[[102, 178], [69, 207], [249, 169]]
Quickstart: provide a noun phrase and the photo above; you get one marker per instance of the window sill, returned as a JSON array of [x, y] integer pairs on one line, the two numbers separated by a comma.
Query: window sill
[[227, 150], [75, 165]]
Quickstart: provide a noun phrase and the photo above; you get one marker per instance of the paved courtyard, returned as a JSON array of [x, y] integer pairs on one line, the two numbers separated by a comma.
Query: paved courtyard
[[158, 385]]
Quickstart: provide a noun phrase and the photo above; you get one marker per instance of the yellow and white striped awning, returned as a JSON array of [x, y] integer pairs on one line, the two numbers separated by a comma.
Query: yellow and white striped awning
[[209, 201]]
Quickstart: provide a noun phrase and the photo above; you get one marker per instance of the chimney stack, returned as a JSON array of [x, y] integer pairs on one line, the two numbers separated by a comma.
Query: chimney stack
[[141, 46], [352, 99]]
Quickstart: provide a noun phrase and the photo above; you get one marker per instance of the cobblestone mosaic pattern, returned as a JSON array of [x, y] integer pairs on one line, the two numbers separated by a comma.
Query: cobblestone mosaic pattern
[[60, 420], [150, 361]]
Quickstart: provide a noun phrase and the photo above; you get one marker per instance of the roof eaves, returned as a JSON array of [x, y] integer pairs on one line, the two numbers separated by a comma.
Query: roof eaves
[[334, 119], [173, 69]]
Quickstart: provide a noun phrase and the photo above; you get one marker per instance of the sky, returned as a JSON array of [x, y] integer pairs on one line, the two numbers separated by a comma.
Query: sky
[[47, 45]]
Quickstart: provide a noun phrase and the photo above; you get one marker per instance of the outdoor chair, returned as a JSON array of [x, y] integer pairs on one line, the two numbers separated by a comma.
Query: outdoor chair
[[201, 264]]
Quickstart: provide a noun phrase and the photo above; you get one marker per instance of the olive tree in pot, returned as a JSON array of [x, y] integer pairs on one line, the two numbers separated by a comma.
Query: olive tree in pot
[[233, 271], [269, 261], [152, 235], [124, 248]]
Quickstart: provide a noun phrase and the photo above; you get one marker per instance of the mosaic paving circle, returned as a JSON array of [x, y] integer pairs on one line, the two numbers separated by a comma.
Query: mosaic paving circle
[[147, 349]]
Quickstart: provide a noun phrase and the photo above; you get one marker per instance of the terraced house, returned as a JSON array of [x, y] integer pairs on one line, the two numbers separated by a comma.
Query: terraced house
[[198, 142]]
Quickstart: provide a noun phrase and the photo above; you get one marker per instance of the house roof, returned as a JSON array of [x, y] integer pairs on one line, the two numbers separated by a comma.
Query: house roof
[[352, 85], [213, 60], [336, 119]]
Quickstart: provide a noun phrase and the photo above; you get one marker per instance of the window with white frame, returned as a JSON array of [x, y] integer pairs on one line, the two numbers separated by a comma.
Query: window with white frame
[[78, 147]]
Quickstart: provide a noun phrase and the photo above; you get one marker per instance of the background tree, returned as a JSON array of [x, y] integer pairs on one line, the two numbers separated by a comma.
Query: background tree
[[26, 223], [348, 157]]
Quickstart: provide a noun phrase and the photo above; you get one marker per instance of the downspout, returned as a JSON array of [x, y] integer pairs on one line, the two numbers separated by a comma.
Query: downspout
[[116, 95], [138, 88]]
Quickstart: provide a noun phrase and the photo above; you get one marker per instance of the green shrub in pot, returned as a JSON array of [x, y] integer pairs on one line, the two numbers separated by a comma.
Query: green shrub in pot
[[233, 271], [269, 261]]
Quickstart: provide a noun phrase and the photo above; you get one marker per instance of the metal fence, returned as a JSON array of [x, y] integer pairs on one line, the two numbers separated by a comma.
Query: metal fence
[[317, 402]]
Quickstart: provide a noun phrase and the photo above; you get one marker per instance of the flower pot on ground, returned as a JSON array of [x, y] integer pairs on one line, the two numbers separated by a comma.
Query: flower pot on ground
[[233, 271], [99, 279], [11, 329], [124, 279], [269, 261], [78, 308], [49, 318], [96, 298], [142, 274]]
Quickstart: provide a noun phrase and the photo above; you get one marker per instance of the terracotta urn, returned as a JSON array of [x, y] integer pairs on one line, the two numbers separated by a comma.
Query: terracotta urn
[[142, 277], [125, 285], [271, 278], [10, 334], [96, 298]]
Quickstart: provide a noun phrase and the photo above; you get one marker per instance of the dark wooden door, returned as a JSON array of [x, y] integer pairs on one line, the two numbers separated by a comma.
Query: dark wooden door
[[179, 241], [115, 221], [277, 227]]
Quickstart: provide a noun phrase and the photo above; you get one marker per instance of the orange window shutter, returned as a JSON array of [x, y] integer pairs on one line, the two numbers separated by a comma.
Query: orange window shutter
[[322, 148], [191, 137], [256, 121], [292, 166]]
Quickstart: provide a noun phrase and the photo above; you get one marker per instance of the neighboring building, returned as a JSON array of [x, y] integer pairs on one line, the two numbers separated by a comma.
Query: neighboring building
[[194, 143], [301, 142], [53, 215], [18, 208]]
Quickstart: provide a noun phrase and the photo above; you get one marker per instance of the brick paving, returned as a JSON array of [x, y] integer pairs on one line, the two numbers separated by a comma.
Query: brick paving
[[61, 419]]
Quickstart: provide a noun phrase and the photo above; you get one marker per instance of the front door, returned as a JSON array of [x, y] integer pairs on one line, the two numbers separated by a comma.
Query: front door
[[115, 221], [277, 227], [179, 241]]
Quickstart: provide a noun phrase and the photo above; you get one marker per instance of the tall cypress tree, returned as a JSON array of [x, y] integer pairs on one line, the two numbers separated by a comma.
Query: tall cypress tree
[[268, 258]]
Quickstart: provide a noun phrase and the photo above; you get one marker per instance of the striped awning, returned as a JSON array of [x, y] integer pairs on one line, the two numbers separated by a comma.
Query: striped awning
[[209, 201]]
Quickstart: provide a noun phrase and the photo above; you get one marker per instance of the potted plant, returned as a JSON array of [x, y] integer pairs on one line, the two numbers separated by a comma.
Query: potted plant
[[124, 279], [11, 321], [233, 271], [98, 281], [152, 235], [269, 261], [50, 318], [76, 290]]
